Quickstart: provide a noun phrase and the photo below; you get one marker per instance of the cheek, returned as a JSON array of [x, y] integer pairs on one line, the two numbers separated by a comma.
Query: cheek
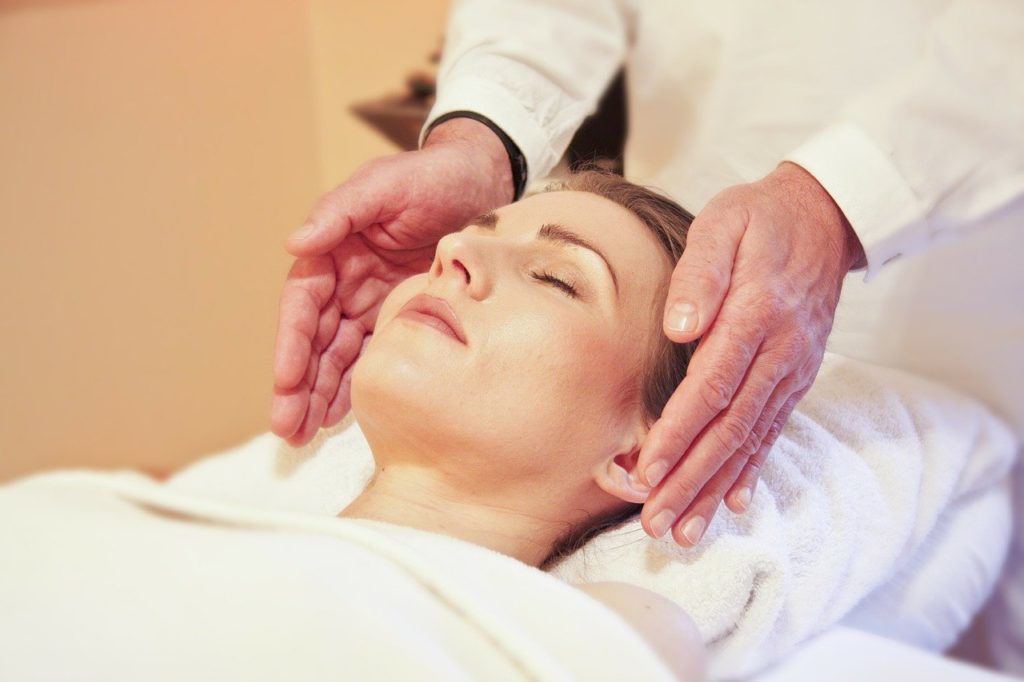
[[567, 365]]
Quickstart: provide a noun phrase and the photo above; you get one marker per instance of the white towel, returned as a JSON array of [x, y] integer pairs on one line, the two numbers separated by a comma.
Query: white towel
[[114, 577], [850, 496]]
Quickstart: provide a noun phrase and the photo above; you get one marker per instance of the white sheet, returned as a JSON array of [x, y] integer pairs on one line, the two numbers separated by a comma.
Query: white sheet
[[866, 484], [114, 577], [929, 601], [850, 655]]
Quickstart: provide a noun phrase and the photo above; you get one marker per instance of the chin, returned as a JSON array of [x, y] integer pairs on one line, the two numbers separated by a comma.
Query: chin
[[395, 393]]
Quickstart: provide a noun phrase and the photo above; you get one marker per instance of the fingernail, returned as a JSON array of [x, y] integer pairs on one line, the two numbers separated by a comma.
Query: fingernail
[[662, 521], [656, 472], [303, 232], [743, 498], [682, 317], [693, 531]]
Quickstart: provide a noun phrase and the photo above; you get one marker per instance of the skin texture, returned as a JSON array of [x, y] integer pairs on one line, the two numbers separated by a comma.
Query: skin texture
[[666, 627], [359, 241], [762, 270], [761, 273], [508, 440]]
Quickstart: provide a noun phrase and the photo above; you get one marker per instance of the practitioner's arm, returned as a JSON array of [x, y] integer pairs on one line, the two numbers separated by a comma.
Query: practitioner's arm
[[930, 153], [536, 68], [661, 622], [371, 232]]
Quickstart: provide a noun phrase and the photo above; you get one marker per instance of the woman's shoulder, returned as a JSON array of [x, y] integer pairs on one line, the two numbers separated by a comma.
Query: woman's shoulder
[[666, 627]]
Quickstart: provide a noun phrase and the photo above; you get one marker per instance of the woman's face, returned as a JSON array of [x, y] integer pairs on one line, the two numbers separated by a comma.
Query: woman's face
[[545, 385]]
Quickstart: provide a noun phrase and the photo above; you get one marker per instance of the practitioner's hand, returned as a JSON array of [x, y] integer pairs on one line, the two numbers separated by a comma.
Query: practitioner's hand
[[360, 240], [759, 281]]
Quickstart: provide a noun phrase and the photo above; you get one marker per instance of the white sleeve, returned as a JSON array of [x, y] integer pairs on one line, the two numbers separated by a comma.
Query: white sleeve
[[536, 68], [938, 147]]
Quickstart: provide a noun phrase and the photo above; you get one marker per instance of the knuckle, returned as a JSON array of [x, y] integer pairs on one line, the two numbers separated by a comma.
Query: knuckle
[[716, 391], [709, 278], [800, 341], [336, 356], [777, 373], [677, 433], [753, 444], [789, 406], [731, 434], [761, 425], [772, 307]]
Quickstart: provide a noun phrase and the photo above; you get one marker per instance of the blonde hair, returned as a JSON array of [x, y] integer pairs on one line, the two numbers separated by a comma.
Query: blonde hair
[[663, 366]]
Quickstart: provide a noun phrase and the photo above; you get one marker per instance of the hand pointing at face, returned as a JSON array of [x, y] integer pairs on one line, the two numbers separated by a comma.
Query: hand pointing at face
[[758, 283]]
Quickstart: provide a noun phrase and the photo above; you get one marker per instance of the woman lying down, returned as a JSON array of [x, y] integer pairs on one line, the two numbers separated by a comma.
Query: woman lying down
[[505, 395]]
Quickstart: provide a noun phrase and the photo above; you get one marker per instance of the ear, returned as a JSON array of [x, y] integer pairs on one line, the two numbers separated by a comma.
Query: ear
[[615, 476]]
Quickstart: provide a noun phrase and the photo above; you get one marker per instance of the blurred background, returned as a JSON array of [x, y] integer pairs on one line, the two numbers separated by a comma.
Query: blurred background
[[155, 155]]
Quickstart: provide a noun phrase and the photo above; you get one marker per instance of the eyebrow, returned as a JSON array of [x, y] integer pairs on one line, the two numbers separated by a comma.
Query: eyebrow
[[488, 220], [555, 233]]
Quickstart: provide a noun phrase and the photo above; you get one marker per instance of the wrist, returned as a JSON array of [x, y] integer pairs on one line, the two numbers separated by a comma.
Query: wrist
[[816, 200], [483, 148]]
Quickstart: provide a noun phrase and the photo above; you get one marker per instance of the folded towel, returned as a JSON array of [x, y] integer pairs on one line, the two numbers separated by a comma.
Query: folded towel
[[851, 495]]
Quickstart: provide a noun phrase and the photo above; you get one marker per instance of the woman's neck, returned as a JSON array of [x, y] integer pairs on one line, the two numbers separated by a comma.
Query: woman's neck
[[416, 497]]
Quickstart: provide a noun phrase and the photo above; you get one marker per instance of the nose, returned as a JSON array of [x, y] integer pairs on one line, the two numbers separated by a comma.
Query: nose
[[459, 257]]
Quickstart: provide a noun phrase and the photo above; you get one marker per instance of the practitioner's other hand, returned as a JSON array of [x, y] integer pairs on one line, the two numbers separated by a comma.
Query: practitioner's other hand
[[360, 240], [758, 282]]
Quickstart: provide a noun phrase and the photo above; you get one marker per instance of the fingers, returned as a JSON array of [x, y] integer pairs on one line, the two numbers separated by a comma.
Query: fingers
[[326, 397], [337, 359], [715, 372], [350, 207], [342, 401], [307, 289], [742, 492], [739, 496], [290, 406], [702, 276], [739, 471], [715, 448], [287, 411], [689, 529]]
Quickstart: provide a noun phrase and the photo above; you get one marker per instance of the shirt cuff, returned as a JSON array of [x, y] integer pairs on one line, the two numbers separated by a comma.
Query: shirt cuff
[[481, 96], [885, 214]]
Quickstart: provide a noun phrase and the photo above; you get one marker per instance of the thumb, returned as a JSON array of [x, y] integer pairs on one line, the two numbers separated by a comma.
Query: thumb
[[348, 208], [702, 276]]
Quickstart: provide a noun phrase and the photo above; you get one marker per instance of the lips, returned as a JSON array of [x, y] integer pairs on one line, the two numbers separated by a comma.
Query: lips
[[435, 312]]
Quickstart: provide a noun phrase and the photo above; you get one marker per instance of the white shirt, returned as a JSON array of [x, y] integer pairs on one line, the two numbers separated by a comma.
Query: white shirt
[[910, 114]]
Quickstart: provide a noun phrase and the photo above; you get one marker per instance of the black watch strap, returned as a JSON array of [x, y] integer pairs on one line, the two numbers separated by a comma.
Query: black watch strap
[[516, 158]]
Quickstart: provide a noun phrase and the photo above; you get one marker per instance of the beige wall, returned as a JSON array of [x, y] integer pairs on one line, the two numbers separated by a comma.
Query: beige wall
[[154, 154], [360, 51]]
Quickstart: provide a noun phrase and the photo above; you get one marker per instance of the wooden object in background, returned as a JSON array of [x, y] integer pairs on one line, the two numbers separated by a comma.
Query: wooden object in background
[[600, 139]]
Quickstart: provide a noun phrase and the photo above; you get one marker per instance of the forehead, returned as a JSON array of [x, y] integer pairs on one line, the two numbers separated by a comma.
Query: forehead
[[634, 252]]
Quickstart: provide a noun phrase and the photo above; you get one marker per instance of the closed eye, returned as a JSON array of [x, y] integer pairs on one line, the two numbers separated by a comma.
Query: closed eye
[[568, 288]]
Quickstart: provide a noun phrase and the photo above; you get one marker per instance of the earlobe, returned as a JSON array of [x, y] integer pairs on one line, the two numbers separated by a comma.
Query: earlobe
[[615, 477]]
